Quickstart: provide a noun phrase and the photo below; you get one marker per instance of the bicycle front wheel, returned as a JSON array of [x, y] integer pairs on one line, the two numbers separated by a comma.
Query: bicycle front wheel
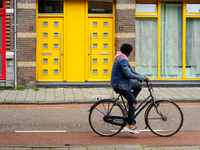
[[97, 113], [167, 121]]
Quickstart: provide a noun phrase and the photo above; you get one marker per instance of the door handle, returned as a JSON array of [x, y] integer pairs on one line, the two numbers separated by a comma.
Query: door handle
[[60, 51]]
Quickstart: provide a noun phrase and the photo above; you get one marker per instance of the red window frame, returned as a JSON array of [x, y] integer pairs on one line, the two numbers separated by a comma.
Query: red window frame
[[3, 40]]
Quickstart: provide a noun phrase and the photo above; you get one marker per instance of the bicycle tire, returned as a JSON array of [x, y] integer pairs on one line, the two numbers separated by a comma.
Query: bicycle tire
[[167, 126], [97, 113]]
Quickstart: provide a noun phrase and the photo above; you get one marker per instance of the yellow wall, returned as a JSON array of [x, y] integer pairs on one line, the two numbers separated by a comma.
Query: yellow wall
[[75, 41]]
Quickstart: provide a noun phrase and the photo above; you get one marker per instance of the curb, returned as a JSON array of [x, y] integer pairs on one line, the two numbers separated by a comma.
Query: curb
[[83, 102]]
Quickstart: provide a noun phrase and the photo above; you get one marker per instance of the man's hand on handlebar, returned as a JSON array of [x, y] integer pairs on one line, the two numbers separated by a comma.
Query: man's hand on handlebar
[[146, 79]]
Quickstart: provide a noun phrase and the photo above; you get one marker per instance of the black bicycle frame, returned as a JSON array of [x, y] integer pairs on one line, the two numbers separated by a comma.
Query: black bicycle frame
[[121, 120]]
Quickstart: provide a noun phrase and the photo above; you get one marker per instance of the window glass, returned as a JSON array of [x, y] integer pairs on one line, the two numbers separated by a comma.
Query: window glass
[[193, 8], [1, 3], [171, 39], [193, 48], [146, 7], [100, 7], [55, 60], [50, 6], [146, 46], [45, 61]]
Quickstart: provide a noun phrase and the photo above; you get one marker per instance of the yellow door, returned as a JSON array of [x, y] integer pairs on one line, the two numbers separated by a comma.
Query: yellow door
[[100, 49], [50, 49]]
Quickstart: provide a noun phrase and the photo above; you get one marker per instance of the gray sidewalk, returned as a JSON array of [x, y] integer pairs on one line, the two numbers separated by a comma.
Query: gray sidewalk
[[89, 95], [106, 147]]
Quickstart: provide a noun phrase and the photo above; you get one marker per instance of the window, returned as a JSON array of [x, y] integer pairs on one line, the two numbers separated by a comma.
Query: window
[[145, 7], [55, 60], [94, 60], [94, 24], [193, 8], [45, 71], [105, 24], [50, 6], [45, 60], [167, 43], [1, 3], [171, 39], [45, 34], [45, 24], [193, 48], [146, 46], [100, 7], [94, 71], [55, 71], [56, 35]]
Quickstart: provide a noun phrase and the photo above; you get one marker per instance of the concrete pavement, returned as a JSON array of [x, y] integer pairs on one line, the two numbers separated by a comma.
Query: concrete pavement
[[89, 95], [106, 147]]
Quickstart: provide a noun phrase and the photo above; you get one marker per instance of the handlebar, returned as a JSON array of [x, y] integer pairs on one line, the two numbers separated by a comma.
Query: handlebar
[[149, 85]]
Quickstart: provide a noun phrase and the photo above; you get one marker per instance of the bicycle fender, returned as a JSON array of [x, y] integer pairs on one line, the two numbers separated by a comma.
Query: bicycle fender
[[97, 102]]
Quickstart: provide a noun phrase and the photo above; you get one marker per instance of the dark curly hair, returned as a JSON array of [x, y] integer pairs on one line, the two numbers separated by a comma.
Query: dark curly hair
[[126, 48]]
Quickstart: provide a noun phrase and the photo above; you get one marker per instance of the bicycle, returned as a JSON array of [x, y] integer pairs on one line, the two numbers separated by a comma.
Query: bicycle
[[107, 117]]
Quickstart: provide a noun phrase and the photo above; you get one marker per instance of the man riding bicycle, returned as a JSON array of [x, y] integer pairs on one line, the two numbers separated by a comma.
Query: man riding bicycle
[[121, 81]]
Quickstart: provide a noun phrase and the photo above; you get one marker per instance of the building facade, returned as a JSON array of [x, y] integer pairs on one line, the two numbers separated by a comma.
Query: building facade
[[76, 40]]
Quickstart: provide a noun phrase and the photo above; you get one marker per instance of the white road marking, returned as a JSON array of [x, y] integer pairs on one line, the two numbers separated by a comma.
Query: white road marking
[[43, 131]]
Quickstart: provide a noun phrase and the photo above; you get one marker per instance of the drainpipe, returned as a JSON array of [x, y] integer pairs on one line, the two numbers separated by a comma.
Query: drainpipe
[[15, 40]]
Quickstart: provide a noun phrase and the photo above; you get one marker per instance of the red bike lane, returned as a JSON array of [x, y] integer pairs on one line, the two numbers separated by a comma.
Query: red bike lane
[[182, 138]]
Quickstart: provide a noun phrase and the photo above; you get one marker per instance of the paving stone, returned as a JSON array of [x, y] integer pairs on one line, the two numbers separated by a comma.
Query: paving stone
[[135, 147], [77, 148], [59, 92], [21, 96], [4, 94], [40, 95], [41, 148], [31, 95], [11, 96], [114, 146], [79, 98], [60, 148], [59, 98], [6, 148], [100, 147], [23, 148]]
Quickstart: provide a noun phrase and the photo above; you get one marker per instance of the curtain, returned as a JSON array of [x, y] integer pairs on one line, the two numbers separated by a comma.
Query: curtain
[[146, 46], [193, 45], [171, 40]]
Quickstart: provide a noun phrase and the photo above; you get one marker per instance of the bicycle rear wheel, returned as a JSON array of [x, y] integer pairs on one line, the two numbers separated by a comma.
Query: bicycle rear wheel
[[97, 113], [170, 122]]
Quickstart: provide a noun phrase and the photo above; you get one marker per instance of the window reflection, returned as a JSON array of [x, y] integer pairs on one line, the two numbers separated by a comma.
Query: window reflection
[[146, 7], [193, 8], [100, 7], [50, 6], [1, 3]]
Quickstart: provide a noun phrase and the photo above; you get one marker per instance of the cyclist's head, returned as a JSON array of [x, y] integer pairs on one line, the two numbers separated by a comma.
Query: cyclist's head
[[126, 49]]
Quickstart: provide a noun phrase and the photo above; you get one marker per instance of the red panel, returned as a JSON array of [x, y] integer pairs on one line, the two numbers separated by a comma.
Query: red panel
[[3, 49]]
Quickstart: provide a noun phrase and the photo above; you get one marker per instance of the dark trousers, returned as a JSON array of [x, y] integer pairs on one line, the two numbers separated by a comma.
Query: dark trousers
[[130, 96]]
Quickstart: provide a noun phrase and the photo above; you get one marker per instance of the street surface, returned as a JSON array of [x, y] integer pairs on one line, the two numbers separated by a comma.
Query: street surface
[[61, 125]]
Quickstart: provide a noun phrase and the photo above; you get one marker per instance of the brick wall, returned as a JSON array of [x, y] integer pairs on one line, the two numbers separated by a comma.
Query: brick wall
[[26, 43], [125, 26]]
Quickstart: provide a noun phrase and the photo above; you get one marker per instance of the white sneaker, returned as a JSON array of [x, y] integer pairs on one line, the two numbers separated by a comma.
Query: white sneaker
[[131, 129]]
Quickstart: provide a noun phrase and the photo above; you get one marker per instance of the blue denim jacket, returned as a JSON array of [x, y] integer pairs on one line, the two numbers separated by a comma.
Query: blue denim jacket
[[122, 74]]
